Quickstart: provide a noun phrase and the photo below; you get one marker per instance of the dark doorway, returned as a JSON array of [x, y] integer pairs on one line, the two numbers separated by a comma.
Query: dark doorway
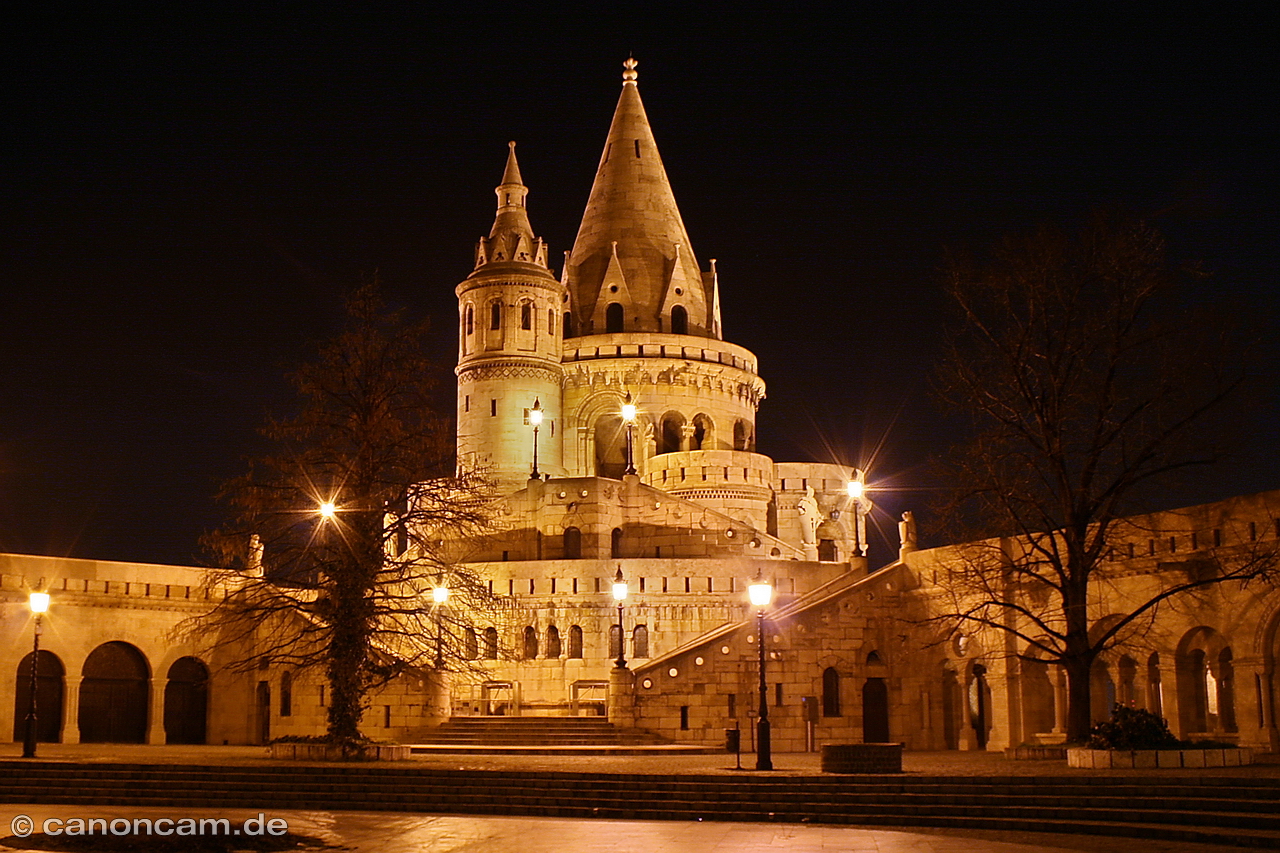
[[830, 692], [613, 318], [875, 711], [114, 695], [186, 701], [49, 692]]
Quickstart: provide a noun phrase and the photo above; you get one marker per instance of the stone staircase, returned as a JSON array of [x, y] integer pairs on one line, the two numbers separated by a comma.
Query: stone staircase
[[535, 734], [1239, 811]]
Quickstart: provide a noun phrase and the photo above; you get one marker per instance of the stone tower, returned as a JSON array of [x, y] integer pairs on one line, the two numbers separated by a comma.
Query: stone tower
[[509, 350]]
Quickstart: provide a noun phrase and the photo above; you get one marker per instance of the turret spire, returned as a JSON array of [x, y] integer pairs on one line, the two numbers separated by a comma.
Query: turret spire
[[632, 224], [511, 238]]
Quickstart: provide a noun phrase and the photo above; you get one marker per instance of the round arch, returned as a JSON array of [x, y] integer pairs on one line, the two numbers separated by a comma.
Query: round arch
[[186, 701], [50, 691], [114, 695]]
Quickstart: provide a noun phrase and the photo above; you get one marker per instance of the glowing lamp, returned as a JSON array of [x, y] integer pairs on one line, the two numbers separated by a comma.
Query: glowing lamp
[[619, 587], [856, 489], [328, 509], [39, 602], [628, 409], [535, 414], [760, 592], [440, 594]]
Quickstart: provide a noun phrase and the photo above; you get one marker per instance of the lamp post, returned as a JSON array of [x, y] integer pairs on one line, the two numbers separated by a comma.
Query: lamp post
[[620, 595], [535, 418], [761, 593], [440, 595], [629, 416], [856, 490], [327, 509], [39, 603]]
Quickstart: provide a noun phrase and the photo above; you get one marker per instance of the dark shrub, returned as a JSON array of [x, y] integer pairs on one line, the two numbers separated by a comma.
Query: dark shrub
[[1132, 728]]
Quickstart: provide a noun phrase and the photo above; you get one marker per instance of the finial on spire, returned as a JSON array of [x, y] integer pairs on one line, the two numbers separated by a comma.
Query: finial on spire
[[629, 75]]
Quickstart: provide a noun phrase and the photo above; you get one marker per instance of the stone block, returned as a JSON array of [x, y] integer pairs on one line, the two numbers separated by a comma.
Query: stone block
[[1193, 758], [1145, 759], [1213, 758], [1168, 758]]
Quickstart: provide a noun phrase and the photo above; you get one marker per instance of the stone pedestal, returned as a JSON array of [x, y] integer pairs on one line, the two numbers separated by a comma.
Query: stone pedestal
[[622, 707]]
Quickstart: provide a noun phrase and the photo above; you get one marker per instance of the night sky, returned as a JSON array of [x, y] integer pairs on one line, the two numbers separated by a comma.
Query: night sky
[[187, 196]]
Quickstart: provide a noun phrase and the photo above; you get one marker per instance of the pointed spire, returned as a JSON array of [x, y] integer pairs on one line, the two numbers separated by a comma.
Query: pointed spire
[[511, 238], [631, 204]]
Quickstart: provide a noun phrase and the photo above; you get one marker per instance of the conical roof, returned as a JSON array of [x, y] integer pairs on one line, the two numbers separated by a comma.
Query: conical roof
[[632, 215]]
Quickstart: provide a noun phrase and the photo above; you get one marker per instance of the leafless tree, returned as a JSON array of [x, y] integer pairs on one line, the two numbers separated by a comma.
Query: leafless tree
[[342, 536], [1088, 386]]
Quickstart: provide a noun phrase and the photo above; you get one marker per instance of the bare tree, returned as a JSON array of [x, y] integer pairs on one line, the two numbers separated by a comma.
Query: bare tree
[[343, 535], [1088, 385]]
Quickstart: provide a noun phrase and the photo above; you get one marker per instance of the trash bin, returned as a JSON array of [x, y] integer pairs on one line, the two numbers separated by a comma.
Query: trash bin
[[732, 740]]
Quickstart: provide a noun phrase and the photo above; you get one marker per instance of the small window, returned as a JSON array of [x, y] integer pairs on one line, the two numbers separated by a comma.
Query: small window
[[286, 694], [679, 321], [637, 147], [553, 642], [493, 408], [491, 643], [575, 642], [526, 316], [471, 320], [613, 318], [495, 316], [830, 692], [615, 641], [615, 542], [471, 644], [551, 321], [530, 642], [572, 543]]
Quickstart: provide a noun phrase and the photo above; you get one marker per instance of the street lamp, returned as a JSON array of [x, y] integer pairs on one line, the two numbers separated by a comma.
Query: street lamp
[[856, 490], [620, 595], [761, 593], [535, 418], [440, 595], [629, 416], [328, 509], [39, 604]]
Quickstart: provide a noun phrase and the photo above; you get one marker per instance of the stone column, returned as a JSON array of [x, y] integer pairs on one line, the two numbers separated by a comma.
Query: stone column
[[622, 712], [1059, 700], [1170, 701], [1255, 720], [155, 718], [71, 709]]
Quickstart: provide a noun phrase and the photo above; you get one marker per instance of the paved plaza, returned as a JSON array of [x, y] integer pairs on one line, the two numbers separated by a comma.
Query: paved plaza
[[392, 831]]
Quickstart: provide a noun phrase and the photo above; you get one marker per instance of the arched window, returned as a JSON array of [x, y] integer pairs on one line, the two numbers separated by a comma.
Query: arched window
[[471, 320], [572, 543], [679, 321], [553, 642], [551, 321], [471, 644], [613, 318], [741, 435], [826, 550], [526, 315], [703, 433], [530, 642], [615, 542], [615, 641], [830, 692], [495, 315], [640, 641], [672, 427], [490, 643], [575, 642]]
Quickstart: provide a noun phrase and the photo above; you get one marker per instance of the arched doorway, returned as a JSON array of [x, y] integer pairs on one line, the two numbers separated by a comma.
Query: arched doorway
[[186, 701], [49, 693], [114, 695], [831, 692], [875, 711]]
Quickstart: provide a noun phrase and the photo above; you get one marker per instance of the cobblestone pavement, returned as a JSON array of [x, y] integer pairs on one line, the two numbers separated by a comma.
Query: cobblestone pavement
[[390, 832]]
